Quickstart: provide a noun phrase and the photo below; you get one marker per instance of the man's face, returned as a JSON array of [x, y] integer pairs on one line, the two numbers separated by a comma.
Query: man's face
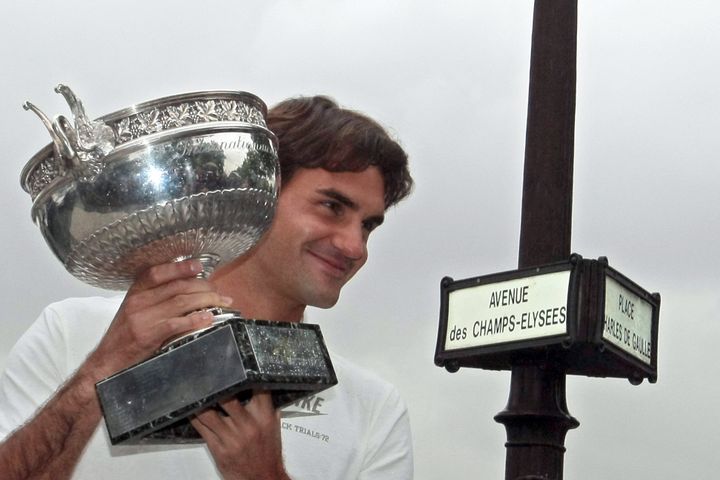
[[318, 239]]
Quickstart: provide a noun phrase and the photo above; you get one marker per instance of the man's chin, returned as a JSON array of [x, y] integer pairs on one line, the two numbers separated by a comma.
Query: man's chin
[[322, 292], [324, 301]]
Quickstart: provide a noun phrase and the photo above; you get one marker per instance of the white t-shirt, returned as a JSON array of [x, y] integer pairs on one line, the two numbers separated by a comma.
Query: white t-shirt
[[358, 429]]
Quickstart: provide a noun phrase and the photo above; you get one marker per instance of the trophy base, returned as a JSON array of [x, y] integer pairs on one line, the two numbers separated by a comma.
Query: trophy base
[[151, 401]]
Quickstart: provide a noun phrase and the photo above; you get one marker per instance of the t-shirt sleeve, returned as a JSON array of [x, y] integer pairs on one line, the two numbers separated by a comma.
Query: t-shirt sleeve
[[34, 369], [389, 454]]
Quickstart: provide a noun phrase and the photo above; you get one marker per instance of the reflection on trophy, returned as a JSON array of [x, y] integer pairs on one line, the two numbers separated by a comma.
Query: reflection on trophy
[[187, 176]]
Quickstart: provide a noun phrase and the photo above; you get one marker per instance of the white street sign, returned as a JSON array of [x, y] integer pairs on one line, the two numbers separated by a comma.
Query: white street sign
[[521, 309], [628, 321]]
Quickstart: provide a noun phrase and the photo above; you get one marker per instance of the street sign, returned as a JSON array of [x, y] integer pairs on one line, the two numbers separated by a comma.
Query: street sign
[[628, 321], [588, 316], [506, 310]]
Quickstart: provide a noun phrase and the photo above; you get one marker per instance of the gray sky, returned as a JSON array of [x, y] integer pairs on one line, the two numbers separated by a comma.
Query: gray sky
[[450, 80]]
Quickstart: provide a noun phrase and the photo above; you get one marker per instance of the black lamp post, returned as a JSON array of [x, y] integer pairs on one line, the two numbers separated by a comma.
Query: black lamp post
[[558, 313]]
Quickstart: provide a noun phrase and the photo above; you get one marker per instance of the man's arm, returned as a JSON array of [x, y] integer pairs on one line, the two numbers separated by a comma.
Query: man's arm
[[154, 310], [50, 445]]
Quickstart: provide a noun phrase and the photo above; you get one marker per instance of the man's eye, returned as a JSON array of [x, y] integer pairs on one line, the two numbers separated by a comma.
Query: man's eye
[[369, 226], [334, 207]]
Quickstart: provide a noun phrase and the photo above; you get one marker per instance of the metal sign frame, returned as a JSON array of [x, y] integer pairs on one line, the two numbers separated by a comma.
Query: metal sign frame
[[652, 298], [453, 359], [582, 349]]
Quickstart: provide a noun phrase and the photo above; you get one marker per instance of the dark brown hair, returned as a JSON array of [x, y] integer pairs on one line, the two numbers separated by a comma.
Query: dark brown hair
[[314, 132]]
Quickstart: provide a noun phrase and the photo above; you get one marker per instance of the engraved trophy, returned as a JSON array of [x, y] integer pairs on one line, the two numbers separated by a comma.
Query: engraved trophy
[[188, 176]]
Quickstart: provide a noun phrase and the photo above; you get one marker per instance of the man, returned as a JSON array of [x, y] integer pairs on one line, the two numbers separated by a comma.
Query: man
[[340, 172]]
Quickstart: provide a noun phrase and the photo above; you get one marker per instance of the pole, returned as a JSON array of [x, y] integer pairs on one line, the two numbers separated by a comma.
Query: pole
[[536, 417]]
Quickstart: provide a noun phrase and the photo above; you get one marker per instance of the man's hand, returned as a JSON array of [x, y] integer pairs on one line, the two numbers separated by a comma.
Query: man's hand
[[244, 440], [164, 302]]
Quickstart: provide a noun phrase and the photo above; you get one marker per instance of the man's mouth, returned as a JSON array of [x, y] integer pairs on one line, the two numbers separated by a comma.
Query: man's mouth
[[338, 266]]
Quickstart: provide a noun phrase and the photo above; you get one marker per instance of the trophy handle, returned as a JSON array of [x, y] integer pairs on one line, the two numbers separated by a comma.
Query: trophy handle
[[88, 135], [62, 146], [72, 144]]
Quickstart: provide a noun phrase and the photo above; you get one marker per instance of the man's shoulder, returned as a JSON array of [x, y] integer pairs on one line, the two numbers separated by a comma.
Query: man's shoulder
[[363, 384], [79, 310], [74, 322], [86, 304], [346, 367]]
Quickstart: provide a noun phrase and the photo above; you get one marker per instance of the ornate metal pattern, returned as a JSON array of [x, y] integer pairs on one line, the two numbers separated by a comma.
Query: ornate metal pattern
[[226, 223], [43, 174], [185, 113], [181, 112]]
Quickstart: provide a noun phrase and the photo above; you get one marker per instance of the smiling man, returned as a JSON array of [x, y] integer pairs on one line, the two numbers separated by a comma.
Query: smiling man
[[319, 236], [340, 173]]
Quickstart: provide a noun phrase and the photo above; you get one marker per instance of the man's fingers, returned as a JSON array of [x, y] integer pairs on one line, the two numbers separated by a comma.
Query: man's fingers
[[178, 305], [184, 303], [234, 409], [164, 273], [260, 404], [173, 327], [238, 416], [199, 423]]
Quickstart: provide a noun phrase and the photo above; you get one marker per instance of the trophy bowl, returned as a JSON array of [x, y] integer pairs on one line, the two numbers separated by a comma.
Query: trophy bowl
[[187, 176], [194, 175]]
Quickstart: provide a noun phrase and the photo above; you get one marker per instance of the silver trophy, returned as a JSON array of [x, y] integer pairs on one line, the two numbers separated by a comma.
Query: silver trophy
[[188, 176]]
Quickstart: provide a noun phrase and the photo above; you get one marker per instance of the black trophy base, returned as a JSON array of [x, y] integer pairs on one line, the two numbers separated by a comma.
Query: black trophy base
[[151, 401]]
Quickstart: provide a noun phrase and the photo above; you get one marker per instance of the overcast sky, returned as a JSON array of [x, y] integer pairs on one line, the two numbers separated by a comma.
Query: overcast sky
[[450, 80]]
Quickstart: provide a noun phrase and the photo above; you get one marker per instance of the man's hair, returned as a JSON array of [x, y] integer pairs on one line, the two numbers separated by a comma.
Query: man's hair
[[314, 132]]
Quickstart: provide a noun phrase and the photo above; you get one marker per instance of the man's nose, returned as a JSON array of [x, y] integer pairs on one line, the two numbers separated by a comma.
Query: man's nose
[[351, 242]]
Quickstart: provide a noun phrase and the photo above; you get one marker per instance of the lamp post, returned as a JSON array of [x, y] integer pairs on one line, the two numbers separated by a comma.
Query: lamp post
[[558, 313], [536, 417]]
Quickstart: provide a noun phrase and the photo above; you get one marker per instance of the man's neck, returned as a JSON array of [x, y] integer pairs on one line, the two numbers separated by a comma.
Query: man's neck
[[251, 297]]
